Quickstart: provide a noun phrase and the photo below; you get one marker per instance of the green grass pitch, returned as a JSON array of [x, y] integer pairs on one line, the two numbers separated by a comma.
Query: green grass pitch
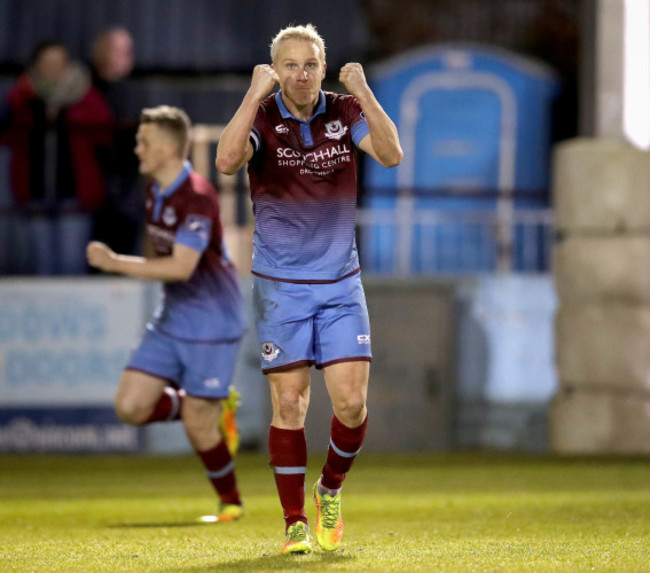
[[421, 512]]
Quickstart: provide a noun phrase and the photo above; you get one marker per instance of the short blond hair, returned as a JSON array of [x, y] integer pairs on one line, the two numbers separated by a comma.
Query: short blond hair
[[307, 33], [174, 121]]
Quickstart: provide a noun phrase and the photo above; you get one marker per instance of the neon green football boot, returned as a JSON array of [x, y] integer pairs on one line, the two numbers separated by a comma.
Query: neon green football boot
[[228, 422], [298, 539], [230, 512], [227, 512], [329, 520]]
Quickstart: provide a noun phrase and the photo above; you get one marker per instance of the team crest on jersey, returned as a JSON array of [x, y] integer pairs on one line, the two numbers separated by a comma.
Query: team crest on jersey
[[283, 129], [169, 216], [269, 351], [335, 129]]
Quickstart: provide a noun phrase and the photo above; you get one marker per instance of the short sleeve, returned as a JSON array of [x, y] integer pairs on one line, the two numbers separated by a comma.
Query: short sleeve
[[356, 120], [195, 232], [255, 139], [255, 136]]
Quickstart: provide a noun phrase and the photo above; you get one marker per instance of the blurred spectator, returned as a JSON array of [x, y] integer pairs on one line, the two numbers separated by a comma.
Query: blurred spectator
[[118, 222], [55, 123], [112, 56]]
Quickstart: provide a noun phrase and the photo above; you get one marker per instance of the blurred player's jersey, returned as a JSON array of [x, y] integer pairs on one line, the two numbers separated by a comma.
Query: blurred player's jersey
[[303, 179], [208, 307]]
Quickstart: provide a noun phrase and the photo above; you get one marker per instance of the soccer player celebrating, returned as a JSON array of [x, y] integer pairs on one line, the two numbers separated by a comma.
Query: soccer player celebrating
[[193, 338], [309, 302]]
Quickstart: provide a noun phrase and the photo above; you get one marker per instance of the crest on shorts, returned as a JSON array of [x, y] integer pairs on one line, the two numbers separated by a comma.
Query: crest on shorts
[[335, 129], [269, 351]]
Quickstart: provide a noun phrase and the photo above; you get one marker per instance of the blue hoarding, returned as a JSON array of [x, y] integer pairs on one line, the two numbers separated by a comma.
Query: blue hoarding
[[67, 430]]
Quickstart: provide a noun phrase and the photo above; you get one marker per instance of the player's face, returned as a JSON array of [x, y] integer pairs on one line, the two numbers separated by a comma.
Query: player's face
[[300, 68], [154, 149]]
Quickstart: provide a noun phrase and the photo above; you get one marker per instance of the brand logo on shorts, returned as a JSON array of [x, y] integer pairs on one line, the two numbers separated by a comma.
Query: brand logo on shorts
[[363, 338], [269, 351], [212, 383]]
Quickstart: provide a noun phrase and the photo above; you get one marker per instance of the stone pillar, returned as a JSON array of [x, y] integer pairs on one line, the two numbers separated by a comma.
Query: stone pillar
[[602, 277], [609, 78]]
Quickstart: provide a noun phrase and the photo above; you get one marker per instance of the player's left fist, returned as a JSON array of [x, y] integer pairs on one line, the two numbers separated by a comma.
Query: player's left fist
[[353, 77]]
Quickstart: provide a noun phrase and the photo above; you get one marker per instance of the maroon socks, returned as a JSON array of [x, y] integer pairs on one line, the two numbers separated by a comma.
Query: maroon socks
[[220, 470], [288, 452], [168, 407], [345, 444]]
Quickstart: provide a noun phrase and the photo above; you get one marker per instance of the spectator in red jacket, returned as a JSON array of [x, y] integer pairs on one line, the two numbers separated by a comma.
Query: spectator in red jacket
[[56, 124]]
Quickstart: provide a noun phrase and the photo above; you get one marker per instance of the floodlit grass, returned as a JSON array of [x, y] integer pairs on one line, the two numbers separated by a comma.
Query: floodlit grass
[[402, 512]]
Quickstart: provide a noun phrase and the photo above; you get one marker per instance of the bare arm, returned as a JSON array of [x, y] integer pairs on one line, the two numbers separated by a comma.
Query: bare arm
[[179, 266], [382, 143], [234, 148]]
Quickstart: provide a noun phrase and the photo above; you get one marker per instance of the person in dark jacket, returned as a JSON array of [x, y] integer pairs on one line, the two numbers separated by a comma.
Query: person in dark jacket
[[119, 222], [55, 123]]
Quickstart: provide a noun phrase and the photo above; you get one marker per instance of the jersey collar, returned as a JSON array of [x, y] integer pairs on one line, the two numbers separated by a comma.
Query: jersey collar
[[285, 113], [175, 184], [160, 194]]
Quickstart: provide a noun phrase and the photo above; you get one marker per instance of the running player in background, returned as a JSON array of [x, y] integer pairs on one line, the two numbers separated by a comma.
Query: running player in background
[[183, 367], [309, 302]]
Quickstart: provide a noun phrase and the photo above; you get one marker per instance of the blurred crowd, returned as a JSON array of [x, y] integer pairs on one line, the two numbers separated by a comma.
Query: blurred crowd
[[73, 173], [67, 128]]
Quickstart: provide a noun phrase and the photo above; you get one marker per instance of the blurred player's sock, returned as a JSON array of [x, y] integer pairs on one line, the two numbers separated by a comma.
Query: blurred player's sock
[[288, 453], [168, 407], [298, 539], [329, 519], [220, 470], [228, 421]]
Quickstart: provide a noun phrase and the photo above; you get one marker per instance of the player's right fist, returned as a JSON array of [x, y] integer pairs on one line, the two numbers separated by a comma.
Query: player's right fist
[[263, 81], [99, 255]]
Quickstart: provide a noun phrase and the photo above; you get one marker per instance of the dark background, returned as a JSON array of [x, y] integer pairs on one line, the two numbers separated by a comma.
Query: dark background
[[199, 53]]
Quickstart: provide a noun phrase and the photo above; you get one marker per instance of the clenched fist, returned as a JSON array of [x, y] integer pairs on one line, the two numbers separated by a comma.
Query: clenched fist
[[353, 78], [100, 256], [263, 80]]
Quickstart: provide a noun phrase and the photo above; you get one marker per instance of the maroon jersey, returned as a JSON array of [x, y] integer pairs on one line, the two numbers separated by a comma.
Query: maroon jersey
[[208, 306], [303, 179]]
